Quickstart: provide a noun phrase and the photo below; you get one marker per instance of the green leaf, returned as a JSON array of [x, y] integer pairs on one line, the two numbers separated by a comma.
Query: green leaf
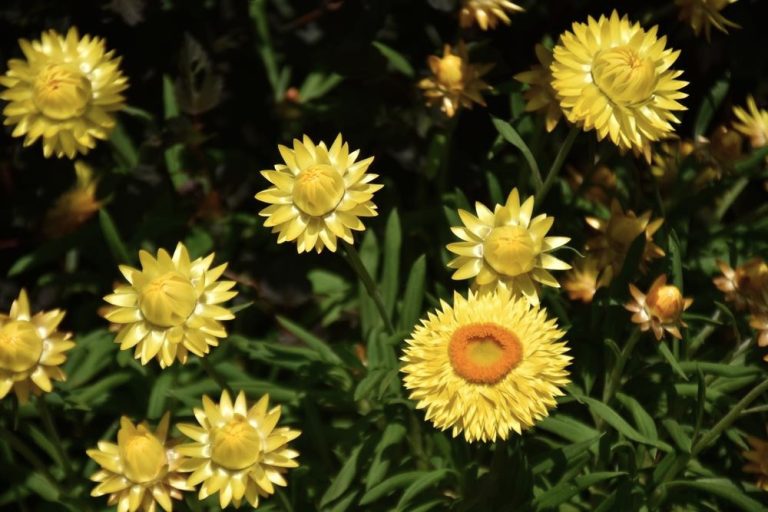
[[390, 485], [510, 135], [173, 154], [671, 359], [125, 150], [390, 276], [343, 479], [678, 435], [559, 458], [414, 294], [392, 435], [318, 84], [709, 106], [396, 59], [325, 352], [564, 491], [675, 254], [159, 394], [567, 428], [422, 483], [719, 369], [112, 237], [93, 352], [644, 421], [722, 488], [494, 188]]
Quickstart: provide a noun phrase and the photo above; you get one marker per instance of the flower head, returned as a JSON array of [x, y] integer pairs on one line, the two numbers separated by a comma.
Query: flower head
[[455, 82], [753, 123], [667, 159], [75, 206], [171, 306], [32, 349], [318, 195], [66, 91], [487, 13], [597, 186], [237, 451], [757, 461], [616, 78], [583, 281], [141, 470], [705, 14], [660, 310], [506, 247], [540, 95], [488, 365], [746, 285]]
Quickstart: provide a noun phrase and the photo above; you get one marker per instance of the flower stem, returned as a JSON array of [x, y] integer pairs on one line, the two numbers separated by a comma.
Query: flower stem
[[612, 383], [353, 257], [730, 196], [557, 164], [214, 375], [50, 427]]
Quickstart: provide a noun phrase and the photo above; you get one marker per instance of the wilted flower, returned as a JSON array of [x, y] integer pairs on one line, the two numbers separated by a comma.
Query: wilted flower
[[540, 94], [506, 247], [705, 14], [318, 195], [487, 13], [31, 350], [237, 451], [754, 124], [616, 78], [66, 91], [171, 306], [141, 470], [660, 310], [455, 82], [75, 206], [757, 461], [486, 366]]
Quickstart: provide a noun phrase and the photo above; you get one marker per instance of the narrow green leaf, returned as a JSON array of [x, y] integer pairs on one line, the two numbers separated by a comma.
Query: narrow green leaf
[[392, 435], [510, 135], [419, 485], [709, 106], [644, 421], [678, 435], [159, 394], [390, 277], [719, 369], [343, 479], [568, 428], [112, 237], [563, 492], [390, 485], [676, 256], [560, 457], [312, 341], [125, 150], [722, 488], [173, 154], [671, 359], [396, 59], [494, 188], [414, 294], [701, 395]]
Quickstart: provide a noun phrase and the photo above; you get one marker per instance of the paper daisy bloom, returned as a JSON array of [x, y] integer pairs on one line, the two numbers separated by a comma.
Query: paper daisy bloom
[[506, 247], [487, 366], [705, 14], [318, 195], [65, 91], [75, 206], [486, 13], [140, 472], [615, 78], [455, 82], [660, 310], [170, 307], [32, 349], [584, 279], [753, 123], [540, 94], [237, 451], [757, 461]]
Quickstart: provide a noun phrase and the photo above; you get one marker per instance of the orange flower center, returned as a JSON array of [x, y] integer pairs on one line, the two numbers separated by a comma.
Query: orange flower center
[[484, 353], [449, 72], [236, 445], [168, 300], [318, 190], [510, 250], [62, 92], [627, 78], [666, 303], [20, 346]]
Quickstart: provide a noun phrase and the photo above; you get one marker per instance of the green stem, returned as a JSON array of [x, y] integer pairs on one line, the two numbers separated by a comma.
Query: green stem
[[612, 383], [730, 196], [213, 374], [50, 427], [557, 164], [373, 291]]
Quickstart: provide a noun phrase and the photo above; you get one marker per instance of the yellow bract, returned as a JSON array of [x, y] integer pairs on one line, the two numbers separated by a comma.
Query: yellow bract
[[540, 95], [616, 78], [141, 470], [486, 366], [237, 451], [66, 92], [31, 350], [753, 123], [486, 13], [507, 248], [171, 306], [705, 14], [318, 195]]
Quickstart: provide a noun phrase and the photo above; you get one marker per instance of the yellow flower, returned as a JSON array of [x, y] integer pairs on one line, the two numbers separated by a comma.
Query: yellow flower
[[660, 310], [141, 470], [746, 285], [583, 281], [319, 195], [237, 451], [754, 124], [540, 95], [487, 13], [456, 82], [75, 206], [597, 186], [757, 461], [616, 235], [66, 91], [506, 248], [170, 307], [31, 350], [614, 77], [488, 365], [705, 14]]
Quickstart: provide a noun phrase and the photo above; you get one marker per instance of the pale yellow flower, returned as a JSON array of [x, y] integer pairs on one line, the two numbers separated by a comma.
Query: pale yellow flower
[[66, 92], [660, 310], [705, 14], [486, 13], [753, 123], [582, 282], [540, 94]]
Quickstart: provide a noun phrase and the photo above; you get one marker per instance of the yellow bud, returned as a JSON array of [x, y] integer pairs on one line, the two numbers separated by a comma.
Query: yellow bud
[[318, 190], [20, 346], [450, 72], [143, 455], [168, 300], [62, 92], [510, 250], [666, 303], [624, 76], [236, 445]]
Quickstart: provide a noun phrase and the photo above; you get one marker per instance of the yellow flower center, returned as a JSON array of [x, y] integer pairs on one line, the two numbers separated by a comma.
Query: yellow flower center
[[237, 445], [143, 455], [624, 76], [168, 300], [510, 250], [318, 190], [450, 73], [666, 303], [484, 353], [20, 346], [62, 92]]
